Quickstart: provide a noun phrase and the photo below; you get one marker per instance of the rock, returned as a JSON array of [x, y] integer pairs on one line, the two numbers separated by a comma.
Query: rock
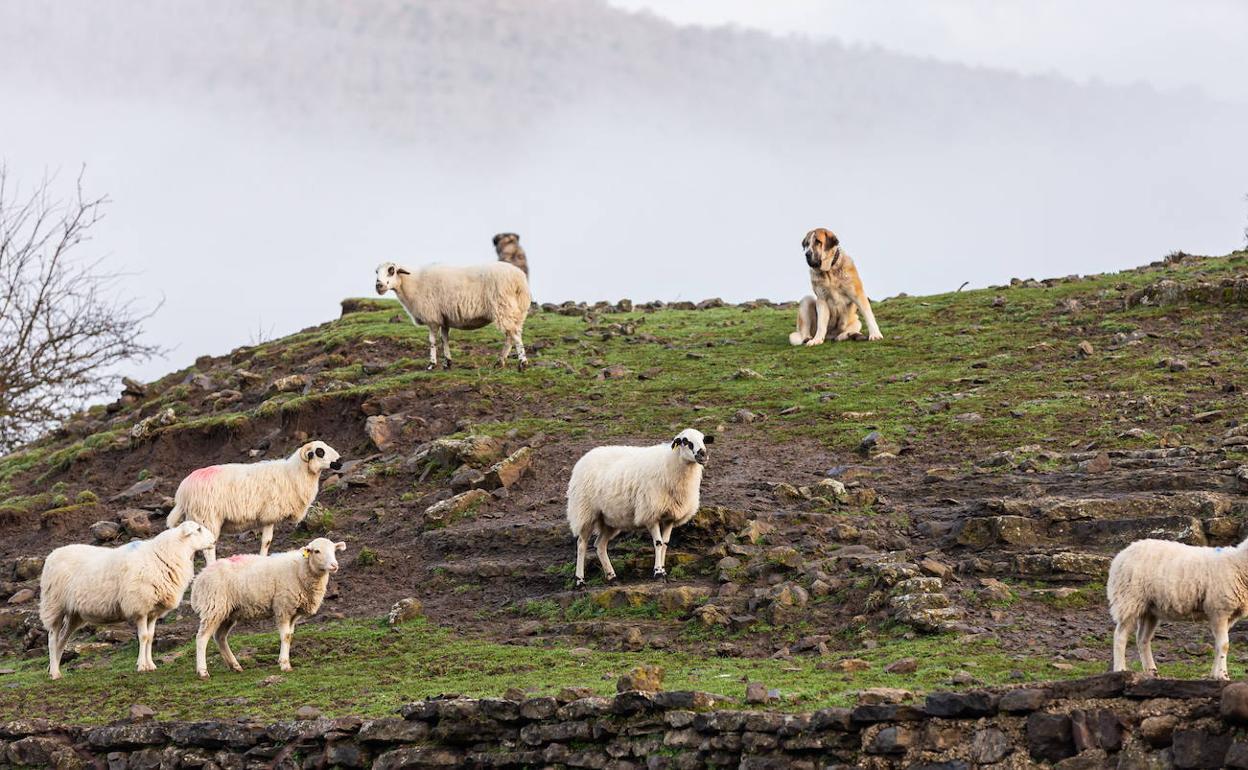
[[27, 567], [307, 712], [756, 692], [1049, 737], [1159, 730], [903, 666], [988, 746], [1085, 349], [1234, 706], [614, 372], [451, 453], [994, 590], [385, 430], [960, 705], [445, 512], [136, 522], [1200, 749], [140, 712], [508, 470], [467, 478], [1098, 464], [405, 610], [642, 678], [712, 615], [130, 387], [874, 444], [138, 489], [290, 383], [936, 569], [845, 665], [746, 374], [1023, 700], [893, 740], [744, 416], [681, 600], [22, 596], [105, 531]]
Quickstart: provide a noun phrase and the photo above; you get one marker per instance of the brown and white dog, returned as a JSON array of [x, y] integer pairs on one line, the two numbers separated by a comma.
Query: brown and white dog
[[839, 296], [507, 246]]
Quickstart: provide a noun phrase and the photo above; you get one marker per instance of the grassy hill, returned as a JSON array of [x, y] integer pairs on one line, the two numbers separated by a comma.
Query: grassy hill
[[994, 450]]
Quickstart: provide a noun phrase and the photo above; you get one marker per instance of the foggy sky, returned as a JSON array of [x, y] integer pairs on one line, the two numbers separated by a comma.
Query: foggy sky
[[248, 226]]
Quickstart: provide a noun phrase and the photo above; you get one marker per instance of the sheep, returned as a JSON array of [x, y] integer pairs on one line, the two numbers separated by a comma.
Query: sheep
[[138, 583], [243, 497], [1152, 580], [618, 488], [443, 297], [507, 247], [285, 587]]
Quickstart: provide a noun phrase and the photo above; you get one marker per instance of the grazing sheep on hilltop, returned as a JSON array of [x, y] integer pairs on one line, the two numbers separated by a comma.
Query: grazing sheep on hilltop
[[241, 497], [285, 586], [138, 583], [444, 298], [619, 488], [1152, 580], [507, 247]]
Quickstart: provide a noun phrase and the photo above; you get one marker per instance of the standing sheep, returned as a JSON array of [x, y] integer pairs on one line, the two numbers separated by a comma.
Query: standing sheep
[[138, 583], [619, 488], [1152, 580], [242, 497], [285, 586], [444, 298]]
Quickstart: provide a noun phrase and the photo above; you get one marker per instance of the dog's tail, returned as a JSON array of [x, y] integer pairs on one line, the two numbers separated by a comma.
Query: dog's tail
[[795, 338]]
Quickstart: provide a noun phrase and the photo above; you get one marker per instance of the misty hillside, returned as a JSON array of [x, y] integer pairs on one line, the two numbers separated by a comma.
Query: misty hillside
[[491, 68]]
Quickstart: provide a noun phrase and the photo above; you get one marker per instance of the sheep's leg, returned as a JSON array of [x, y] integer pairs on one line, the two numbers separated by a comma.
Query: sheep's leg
[[56, 647], [286, 630], [522, 361], [433, 348], [445, 334], [1121, 633], [507, 345], [206, 630], [222, 638], [656, 534], [1221, 645], [266, 539], [151, 640], [667, 538], [145, 638], [1144, 630], [604, 537], [582, 547]]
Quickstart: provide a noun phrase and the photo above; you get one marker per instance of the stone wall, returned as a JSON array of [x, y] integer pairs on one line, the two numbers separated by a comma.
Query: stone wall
[[1113, 720]]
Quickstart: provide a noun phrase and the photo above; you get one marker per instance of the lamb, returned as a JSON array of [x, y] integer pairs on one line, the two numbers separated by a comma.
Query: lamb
[[507, 247], [285, 587], [138, 583], [1152, 580], [618, 488], [243, 497], [443, 297]]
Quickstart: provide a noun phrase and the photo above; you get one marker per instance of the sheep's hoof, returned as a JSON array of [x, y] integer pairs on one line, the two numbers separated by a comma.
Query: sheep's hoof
[[522, 364], [446, 364], [237, 667], [431, 367], [580, 582], [284, 666], [660, 574], [54, 676], [204, 675], [609, 579]]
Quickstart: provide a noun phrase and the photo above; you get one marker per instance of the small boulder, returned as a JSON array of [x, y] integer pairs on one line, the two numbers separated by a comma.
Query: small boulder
[[136, 522], [105, 531], [903, 666], [643, 678], [22, 596], [290, 383], [140, 712], [443, 513], [405, 610], [508, 471]]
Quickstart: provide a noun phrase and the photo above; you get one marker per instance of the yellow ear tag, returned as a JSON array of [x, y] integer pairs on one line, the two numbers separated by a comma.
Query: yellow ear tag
[[306, 553]]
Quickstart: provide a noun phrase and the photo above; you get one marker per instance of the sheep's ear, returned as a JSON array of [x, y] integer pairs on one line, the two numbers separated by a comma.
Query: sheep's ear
[[708, 439], [340, 546], [404, 271], [309, 455], [675, 443]]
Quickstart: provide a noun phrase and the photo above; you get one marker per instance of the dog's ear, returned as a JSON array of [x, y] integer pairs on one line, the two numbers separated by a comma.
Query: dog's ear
[[498, 238], [806, 241], [831, 241]]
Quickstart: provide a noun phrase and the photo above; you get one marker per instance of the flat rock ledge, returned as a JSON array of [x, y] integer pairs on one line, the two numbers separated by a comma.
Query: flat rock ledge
[[1113, 720]]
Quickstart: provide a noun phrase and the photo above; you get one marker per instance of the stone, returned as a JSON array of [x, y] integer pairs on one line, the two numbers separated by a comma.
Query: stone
[[138, 489], [136, 522], [1023, 700], [1234, 706], [1200, 749], [845, 665], [385, 430], [1092, 759], [290, 383], [1175, 688], [893, 740], [1237, 755], [1098, 464], [877, 695], [451, 453], [1085, 349], [756, 692], [903, 666], [140, 712], [1159, 730], [508, 471], [405, 610], [744, 416], [988, 746], [681, 600], [22, 596], [146, 427], [1049, 737], [994, 590], [442, 513], [643, 678], [746, 374], [27, 567], [936, 569], [105, 531], [960, 705]]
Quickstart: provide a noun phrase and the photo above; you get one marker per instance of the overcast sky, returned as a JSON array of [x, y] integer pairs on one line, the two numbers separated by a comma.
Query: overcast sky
[[1166, 43]]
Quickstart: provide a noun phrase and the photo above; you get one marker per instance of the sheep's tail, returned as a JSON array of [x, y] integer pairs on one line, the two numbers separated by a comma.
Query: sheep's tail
[[795, 338], [175, 516]]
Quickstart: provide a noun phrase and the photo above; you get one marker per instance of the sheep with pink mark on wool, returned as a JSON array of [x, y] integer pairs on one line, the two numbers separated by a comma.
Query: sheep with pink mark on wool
[[285, 586], [619, 488], [242, 497]]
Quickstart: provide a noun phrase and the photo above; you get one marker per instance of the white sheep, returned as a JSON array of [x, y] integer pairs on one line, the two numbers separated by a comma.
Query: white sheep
[[285, 586], [1152, 580], [242, 497], [619, 488], [443, 297], [138, 583]]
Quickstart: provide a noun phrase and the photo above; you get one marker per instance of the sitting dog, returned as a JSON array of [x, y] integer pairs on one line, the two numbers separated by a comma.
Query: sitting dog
[[839, 296], [507, 246]]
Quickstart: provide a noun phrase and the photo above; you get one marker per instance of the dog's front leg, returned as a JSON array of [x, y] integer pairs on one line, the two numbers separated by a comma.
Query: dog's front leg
[[864, 308], [823, 314]]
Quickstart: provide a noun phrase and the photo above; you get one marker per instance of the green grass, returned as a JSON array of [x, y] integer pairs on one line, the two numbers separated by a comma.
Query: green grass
[[362, 667]]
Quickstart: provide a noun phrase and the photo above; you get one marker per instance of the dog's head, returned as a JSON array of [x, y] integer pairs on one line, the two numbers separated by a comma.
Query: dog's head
[[822, 248], [503, 240]]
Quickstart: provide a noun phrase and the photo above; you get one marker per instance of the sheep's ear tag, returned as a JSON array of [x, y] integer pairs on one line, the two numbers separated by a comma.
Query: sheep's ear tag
[[306, 553]]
